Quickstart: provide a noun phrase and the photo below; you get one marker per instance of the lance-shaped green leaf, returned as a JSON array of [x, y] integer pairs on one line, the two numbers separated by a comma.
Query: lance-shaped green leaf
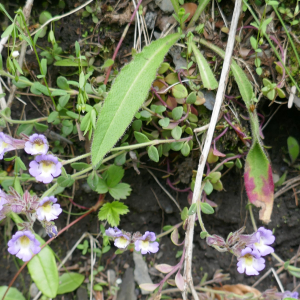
[[206, 73], [258, 172], [127, 94]]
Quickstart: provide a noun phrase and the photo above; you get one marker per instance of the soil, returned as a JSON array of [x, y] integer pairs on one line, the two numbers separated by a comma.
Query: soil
[[146, 214]]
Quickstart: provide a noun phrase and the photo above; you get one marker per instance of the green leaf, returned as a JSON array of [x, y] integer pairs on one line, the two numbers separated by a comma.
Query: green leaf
[[177, 113], [179, 91], [293, 148], [127, 94], [164, 122], [101, 187], [191, 99], [80, 166], [109, 62], [176, 132], [8, 30], [153, 153], [69, 282], [41, 88], [70, 63], [62, 83], [112, 211], [185, 150], [120, 191], [206, 208], [22, 85], [43, 270], [208, 187], [52, 117], [184, 214], [25, 128], [140, 137], [63, 100], [114, 175], [206, 73], [242, 81], [44, 66], [65, 181], [40, 127], [13, 293], [192, 210]]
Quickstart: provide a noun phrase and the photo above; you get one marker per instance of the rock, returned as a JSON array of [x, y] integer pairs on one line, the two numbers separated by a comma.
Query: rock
[[33, 290], [150, 19], [178, 60], [141, 274], [210, 99], [165, 5], [111, 275], [126, 291], [82, 294]]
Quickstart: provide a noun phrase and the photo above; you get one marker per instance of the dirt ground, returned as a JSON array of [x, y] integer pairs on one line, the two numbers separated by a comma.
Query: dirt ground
[[146, 214]]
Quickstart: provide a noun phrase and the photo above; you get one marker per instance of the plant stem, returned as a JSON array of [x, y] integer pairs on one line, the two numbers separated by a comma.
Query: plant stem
[[198, 12], [150, 143], [69, 161], [287, 33]]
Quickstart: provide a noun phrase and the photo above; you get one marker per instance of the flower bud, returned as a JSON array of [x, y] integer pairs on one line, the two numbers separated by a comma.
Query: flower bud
[[215, 240], [15, 54]]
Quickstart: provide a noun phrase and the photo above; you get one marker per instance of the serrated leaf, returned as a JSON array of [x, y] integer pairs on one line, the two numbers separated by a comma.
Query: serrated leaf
[[206, 73], [114, 175], [112, 211], [13, 293], [69, 282], [127, 94], [120, 191], [101, 187]]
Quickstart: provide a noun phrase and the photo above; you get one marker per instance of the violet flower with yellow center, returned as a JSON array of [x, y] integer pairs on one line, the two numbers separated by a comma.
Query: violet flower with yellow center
[[7, 143], [250, 262], [23, 244], [36, 144], [48, 210], [45, 167], [146, 243]]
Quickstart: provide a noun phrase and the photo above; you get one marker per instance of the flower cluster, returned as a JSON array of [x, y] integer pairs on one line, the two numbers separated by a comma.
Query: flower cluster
[[45, 166], [142, 243], [249, 249], [23, 243]]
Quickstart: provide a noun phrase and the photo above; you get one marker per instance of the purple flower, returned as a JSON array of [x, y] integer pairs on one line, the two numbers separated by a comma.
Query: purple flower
[[146, 243], [47, 210], [23, 244], [36, 144], [249, 239], [45, 167], [7, 143], [288, 294], [266, 238], [113, 232], [122, 241], [250, 262], [3, 199]]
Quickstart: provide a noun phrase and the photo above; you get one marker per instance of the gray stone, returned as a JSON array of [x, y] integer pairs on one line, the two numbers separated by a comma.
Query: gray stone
[[150, 19], [141, 274], [111, 275], [33, 290], [178, 60], [165, 5], [126, 291], [210, 99], [82, 294]]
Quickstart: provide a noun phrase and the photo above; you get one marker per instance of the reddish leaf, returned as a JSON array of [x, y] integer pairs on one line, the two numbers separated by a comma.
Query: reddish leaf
[[164, 268], [149, 286], [179, 281], [259, 181]]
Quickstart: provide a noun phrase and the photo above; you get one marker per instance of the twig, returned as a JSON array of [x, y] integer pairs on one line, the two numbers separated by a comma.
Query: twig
[[26, 11], [197, 194], [121, 41]]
